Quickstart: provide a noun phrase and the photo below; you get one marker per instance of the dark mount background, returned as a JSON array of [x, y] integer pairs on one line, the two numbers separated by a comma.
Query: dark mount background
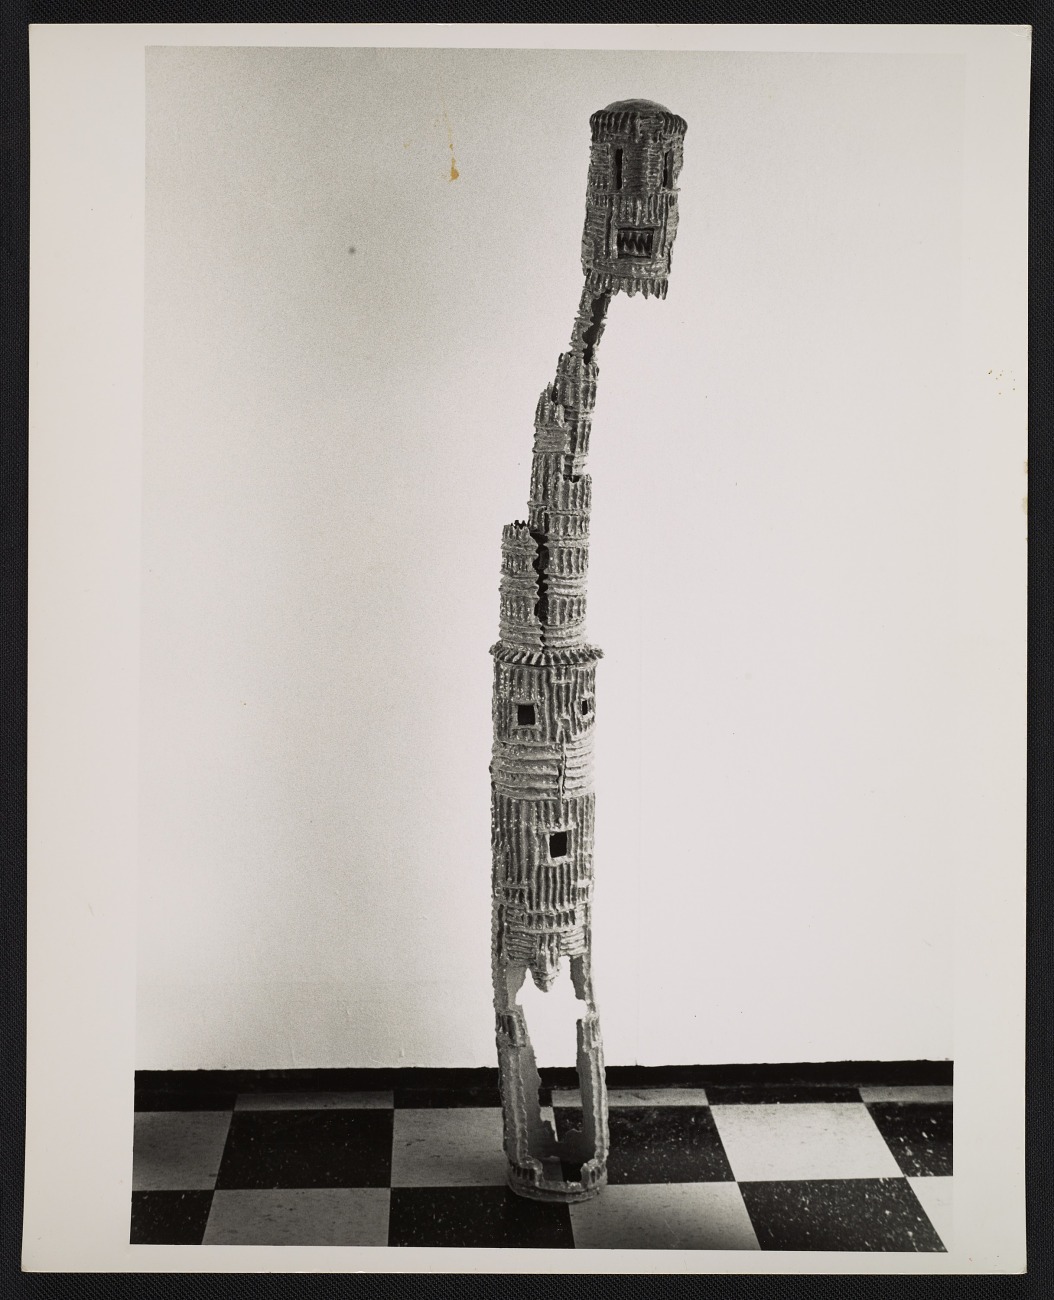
[[14, 251]]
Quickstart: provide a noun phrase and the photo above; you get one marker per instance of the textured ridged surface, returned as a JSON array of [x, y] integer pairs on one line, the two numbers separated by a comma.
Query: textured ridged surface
[[545, 671], [631, 202]]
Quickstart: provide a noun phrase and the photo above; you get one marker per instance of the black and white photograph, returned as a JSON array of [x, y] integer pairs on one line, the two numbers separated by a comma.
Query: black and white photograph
[[564, 649]]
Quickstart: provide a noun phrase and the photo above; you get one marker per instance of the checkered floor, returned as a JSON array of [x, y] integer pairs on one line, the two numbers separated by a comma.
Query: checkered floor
[[729, 1168]]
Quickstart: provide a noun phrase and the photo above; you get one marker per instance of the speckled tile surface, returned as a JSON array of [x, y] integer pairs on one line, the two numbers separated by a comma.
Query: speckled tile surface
[[918, 1134], [803, 1140], [753, 1094], [665, 1216], [571, 1099], [445, 1099], [169, 1218], [155, 1099], [307, 1148], [178, 1150], [878, 1214], [475, 1217], [659, 1144], [461, 1147], [732, 1166], [314, 1101], [932, 1094], [299, 1216]]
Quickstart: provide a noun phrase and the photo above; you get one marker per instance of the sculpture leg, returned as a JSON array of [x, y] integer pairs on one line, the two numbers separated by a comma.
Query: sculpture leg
[[529, 1140], [591, 1078], [540, 1166]]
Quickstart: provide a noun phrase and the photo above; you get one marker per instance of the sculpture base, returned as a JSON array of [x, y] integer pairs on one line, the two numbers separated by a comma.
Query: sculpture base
[[555, 1190]]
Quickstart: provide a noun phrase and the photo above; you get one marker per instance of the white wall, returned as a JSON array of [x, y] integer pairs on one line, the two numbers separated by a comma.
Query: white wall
[[786, 771]]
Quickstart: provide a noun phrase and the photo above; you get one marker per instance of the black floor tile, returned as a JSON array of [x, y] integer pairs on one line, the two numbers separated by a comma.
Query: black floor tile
[[429, 1098], [763, 1093], [476, 1217], [918, 1133], [169, 1218], [874, 1214], [151, 1099], [307, 1148], [659, 1144]]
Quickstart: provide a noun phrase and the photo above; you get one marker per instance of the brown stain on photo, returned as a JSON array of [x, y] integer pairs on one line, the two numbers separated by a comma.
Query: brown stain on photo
[[454, 173]]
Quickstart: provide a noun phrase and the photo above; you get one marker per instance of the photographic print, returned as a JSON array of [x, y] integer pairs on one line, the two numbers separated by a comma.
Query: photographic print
[[411, 821]]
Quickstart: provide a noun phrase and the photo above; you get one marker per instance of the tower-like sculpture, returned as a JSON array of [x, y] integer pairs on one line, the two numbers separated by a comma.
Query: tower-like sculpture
[[544, 669]]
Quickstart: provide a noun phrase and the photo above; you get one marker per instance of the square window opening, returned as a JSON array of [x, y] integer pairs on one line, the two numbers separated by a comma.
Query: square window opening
[[558, 844], [525, 715]]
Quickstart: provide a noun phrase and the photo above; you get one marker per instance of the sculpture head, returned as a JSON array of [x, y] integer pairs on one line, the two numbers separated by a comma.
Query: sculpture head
[[631, 201]]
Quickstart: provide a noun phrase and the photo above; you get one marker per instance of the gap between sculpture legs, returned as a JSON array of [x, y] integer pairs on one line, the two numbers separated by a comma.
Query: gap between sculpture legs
[[541, 1166]]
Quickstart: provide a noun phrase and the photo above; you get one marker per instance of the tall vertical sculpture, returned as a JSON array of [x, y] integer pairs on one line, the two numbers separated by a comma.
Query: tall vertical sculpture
[[544, 669]]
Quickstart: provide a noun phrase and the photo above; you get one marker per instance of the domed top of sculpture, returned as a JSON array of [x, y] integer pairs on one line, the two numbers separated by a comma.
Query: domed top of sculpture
[[639, 105], [636, 115]]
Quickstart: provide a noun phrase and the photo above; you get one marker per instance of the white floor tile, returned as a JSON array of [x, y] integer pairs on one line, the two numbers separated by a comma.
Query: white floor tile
[[935, 1197], [637, 1097], [933, 1093], [803, 1140], [665, 1216], [178, 1150], [314, 1101], [310, 1216], [567, 1097], [459, 1147]]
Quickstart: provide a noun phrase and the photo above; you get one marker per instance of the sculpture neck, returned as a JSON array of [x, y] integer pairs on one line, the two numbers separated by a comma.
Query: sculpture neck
[[589, 323], [545, 558]]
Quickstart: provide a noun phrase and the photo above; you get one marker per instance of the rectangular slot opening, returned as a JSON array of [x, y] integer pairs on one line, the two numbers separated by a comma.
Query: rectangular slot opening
[[632, 241], [525, 715], [558, 844]]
